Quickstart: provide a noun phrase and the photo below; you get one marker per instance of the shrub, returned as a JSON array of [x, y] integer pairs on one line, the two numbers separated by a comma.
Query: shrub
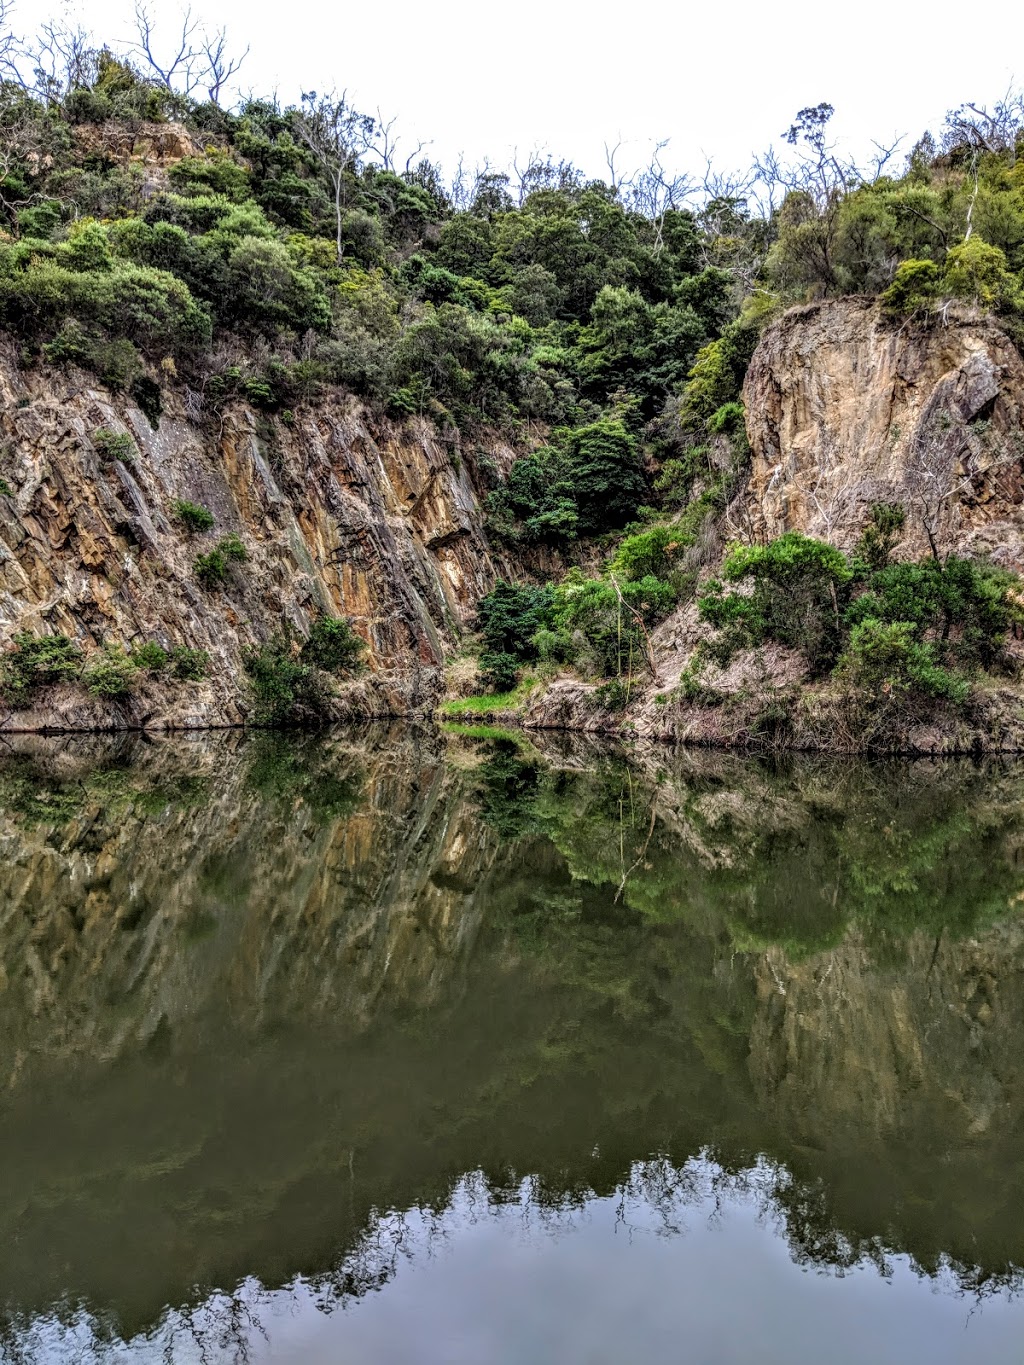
[[885, 660], [189, 665], [509, 617], [111, 675], [977, 272], [646, 553], [799, 587], [915, 287], [150, 656], [590, 481], [499, 672], [880, 536], [612, 695], [286, 690], [332, 645], [192, 516], [212, 568], [114, 445], [38, 661], [593, 619], [963, 605]]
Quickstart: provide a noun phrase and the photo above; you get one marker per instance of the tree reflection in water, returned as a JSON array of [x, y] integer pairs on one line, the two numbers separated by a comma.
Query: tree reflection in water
[[285, 1014]]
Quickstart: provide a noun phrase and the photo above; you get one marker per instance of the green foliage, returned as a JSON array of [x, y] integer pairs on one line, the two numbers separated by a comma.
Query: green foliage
[[181, 663], [904, 635], [114, 445], [499, 671], [881, 535], [613, 695], [211, 568], [38, 661], [646, 554], [510, 615], [915, 287], [111, 675], [966, 606], [588, 482], [714, 383], [798, 588], [192, 516], [189, 665], [286, 691], [886, 660], [333, 646], [150, 656], [601, 624]]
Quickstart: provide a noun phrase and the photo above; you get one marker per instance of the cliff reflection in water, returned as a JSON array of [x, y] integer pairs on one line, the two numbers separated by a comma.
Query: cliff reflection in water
[[265, 1000]]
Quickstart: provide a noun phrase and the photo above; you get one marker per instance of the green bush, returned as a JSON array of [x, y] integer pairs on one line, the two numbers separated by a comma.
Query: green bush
[[150, 656], [965, 606], [192, 515], [38, 661], [499, 672], [189, 665], [915, 287], [886, 662], [510, 615], [286, 690], [114, 445], [799, 587], [111, 675], [589, 481], [604, 628], [211, 569], [333, 646], [880, 536], [646, 553]]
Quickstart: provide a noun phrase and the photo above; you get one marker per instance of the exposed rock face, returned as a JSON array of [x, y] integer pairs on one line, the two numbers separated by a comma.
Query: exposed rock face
[[378, 522], [846, 408]]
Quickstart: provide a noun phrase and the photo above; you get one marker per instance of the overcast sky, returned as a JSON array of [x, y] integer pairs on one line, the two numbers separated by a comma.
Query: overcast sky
[[719, 80]]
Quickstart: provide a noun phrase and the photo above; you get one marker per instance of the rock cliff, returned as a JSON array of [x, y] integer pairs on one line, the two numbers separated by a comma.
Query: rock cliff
[[337, 512], [846, 408]]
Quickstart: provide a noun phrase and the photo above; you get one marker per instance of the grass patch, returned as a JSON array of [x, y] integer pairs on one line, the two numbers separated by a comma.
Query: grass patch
[[493, 704]]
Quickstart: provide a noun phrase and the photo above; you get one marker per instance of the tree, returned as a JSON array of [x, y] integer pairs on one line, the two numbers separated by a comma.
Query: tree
[[195, 58], [338, 136]]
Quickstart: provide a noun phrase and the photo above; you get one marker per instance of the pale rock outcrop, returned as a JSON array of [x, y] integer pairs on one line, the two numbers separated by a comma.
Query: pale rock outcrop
[[846, 408]]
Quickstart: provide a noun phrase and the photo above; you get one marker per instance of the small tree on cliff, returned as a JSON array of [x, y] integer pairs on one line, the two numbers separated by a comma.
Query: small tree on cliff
[[338, 136]]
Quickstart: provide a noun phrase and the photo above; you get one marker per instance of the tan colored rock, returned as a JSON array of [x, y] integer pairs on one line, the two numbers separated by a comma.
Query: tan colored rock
[[846, 408], [338, 512]]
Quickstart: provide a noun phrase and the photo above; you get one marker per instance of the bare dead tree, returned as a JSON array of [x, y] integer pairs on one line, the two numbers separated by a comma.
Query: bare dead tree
[[10, 47], [654, 191], [175, 68], [984, 129], [385, 142], [220, 64], [617, 182], [192, 60], [60, 58], [338, 136]]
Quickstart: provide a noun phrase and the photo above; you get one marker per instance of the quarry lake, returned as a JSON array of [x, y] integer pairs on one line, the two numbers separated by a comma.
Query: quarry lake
[[404, 1046]]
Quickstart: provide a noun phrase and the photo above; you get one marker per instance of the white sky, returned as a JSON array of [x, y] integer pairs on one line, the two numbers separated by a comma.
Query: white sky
[[719, 80]]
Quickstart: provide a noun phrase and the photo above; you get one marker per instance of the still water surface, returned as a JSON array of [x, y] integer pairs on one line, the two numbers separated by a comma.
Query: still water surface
[[392, 1047]]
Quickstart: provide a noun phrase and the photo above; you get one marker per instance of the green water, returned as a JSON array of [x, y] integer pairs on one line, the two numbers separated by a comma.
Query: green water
[[398, 1047]]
